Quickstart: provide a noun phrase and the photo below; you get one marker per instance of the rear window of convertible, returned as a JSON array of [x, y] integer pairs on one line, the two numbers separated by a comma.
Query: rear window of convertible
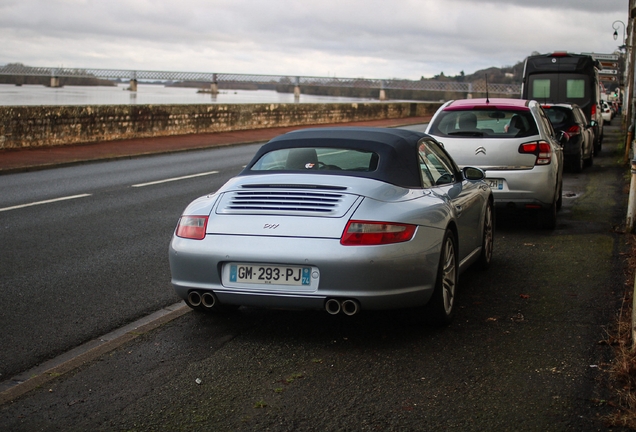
[[484, 123], [317, 158]]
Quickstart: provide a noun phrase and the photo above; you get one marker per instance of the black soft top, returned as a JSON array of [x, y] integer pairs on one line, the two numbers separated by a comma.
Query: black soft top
[[397, 150]]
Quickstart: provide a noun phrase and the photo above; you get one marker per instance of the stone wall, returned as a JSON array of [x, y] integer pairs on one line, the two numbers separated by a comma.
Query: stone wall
[[41, 126]]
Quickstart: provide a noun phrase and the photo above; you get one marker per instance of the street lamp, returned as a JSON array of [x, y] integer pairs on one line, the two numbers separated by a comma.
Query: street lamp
[[615, 27]]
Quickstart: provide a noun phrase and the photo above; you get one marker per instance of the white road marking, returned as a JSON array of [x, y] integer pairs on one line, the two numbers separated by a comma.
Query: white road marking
[[44, 202], [175, 179]]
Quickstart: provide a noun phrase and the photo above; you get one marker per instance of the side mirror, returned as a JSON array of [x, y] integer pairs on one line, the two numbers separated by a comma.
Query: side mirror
[[563, 138], [473, 174]]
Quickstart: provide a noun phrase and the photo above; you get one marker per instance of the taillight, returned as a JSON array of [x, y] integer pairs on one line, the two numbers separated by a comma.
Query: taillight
[[364, 233], [192, 227], [574, 130], [593, 111], [541, 149]]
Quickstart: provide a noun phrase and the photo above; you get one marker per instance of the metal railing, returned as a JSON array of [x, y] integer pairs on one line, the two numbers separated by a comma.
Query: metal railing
[[218, 78]]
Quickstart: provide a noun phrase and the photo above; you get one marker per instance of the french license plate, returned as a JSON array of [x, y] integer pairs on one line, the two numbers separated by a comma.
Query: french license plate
[[495, 183], [270, 275]]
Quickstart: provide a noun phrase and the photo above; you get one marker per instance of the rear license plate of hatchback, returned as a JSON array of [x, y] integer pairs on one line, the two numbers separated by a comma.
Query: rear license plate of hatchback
[[496, 184], [269, 275]]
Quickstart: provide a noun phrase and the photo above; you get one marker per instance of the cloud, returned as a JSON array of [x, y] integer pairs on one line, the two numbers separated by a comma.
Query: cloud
[[347, 38]]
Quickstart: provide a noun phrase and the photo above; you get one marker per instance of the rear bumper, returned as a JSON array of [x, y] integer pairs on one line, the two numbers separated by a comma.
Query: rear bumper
[[535, 187], [378, 277]]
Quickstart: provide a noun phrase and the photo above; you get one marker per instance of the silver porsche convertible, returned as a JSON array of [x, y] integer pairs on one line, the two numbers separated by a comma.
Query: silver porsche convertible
[[341, 219]]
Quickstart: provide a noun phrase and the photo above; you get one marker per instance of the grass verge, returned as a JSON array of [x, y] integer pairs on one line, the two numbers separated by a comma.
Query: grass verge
[[623, 368]]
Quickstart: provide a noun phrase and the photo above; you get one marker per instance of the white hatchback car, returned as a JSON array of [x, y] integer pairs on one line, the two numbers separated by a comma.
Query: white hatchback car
[[606, 112], [513, 141]]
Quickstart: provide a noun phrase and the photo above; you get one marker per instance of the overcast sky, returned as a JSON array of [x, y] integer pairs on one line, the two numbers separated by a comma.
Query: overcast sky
[[343, 38]]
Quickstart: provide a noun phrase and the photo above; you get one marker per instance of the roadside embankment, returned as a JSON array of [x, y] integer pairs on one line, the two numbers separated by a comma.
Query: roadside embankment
[[46, 126]]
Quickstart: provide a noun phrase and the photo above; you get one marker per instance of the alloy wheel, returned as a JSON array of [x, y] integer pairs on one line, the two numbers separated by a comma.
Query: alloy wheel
[[449, 276]]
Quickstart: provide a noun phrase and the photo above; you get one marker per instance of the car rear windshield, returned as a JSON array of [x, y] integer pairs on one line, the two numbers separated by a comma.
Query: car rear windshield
[[560, 117], [317, 158], [487, 123]]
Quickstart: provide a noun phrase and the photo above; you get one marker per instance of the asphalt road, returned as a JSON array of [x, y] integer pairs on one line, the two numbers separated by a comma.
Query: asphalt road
[[76, 268], [522, 354]]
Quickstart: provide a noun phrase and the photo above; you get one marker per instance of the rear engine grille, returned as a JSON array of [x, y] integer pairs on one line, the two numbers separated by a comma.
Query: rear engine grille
[[299, 202]]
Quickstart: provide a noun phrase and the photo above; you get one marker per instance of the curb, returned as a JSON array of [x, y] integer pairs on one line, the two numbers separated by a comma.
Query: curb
[[47, 371], [42, 167]]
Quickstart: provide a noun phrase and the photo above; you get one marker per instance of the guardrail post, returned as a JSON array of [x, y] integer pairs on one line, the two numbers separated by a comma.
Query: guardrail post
[[631, 206]]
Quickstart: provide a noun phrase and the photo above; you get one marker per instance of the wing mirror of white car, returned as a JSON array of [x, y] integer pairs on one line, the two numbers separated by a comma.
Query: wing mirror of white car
[[472, 173]]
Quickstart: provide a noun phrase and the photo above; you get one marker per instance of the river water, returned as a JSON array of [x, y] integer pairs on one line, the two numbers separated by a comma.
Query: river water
[[12, 95]]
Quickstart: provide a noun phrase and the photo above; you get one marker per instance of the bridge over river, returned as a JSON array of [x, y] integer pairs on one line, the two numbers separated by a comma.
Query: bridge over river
[[215, 79]]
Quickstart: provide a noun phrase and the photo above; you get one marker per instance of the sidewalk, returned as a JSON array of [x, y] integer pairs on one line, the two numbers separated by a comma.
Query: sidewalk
[[41, 158]]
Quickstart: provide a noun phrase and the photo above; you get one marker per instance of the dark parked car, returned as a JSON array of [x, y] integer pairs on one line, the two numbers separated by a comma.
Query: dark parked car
[[578, 151]]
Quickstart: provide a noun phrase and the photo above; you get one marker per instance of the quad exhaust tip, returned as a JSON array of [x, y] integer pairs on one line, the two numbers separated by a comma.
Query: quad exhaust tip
[[206, 299], [348, 307], [333, 307], [194, 298]]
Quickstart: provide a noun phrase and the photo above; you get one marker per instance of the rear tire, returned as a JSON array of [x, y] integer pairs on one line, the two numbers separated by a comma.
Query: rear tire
[[578, 161], [487, 239], [598, 145], [590, 161], [440, 309]]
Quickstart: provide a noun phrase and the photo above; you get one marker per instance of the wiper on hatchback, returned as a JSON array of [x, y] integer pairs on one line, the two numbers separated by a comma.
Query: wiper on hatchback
[[467, 133]]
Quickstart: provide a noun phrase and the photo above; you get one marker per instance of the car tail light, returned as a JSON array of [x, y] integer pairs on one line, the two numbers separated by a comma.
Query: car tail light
[[574, 130], [541, 149], [593, 111], [364, 233], [192, 227]]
